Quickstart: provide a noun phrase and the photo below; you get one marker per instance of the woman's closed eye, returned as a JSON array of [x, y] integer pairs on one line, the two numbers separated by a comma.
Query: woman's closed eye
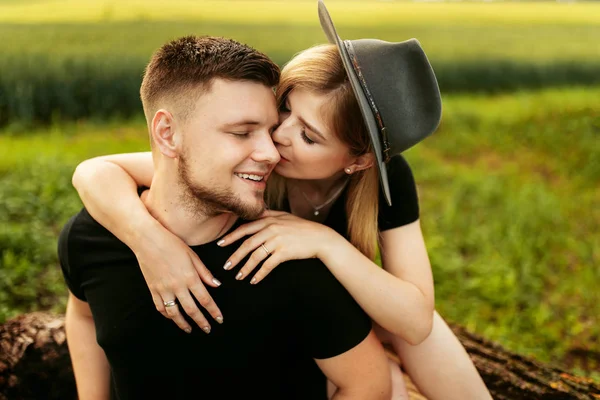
[[305, 137]]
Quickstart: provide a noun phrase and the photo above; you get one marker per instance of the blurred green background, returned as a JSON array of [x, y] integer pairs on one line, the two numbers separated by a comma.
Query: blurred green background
[[509, 185]]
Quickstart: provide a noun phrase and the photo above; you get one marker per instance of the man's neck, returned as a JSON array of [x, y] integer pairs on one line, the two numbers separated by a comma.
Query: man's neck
[[193, 227]]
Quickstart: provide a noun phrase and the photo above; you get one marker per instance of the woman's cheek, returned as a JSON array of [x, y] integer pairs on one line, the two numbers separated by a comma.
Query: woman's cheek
[[305, 158]]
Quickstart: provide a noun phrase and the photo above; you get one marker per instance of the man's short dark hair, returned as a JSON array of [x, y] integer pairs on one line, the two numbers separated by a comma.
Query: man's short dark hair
[[184, 68]]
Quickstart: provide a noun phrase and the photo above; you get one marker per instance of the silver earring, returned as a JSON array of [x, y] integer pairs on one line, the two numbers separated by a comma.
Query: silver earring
[[348, 171]]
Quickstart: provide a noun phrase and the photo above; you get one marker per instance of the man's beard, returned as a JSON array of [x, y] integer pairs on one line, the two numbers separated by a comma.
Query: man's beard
[[211, 202]]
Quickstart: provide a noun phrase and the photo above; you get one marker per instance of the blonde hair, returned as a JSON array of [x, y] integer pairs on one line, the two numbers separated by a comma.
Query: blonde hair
[[320, 70]]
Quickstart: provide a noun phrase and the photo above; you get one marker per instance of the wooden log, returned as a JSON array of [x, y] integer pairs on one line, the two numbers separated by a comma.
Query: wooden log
[[35, 364], [34, 359], [510, 376]]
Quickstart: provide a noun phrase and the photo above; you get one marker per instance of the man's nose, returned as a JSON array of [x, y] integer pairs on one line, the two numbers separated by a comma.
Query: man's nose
[[265, 150]]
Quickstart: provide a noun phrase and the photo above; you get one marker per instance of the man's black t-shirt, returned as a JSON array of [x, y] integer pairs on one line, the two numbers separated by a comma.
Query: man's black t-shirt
[[265, 348]]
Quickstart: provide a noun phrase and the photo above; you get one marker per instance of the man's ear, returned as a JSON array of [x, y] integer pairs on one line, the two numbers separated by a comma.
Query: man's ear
[[163, 133], [361, 163]]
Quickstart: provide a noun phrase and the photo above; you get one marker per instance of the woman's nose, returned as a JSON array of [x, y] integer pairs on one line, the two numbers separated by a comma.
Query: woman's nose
[[281, 135]]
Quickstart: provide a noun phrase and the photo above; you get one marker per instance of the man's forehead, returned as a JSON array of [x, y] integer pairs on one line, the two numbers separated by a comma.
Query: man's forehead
[[249, 104], [247, 117]]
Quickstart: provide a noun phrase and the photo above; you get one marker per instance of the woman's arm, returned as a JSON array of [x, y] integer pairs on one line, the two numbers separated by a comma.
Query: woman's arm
[[399, 298], [171, 269], [120, 209]]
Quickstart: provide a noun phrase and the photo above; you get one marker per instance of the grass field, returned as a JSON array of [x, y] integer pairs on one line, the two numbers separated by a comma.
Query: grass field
[[362, 13], [510, 207], [533, 32], [93, 53]]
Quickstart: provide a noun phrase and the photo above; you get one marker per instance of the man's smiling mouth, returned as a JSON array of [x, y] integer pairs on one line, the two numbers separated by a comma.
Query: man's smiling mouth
[[252, 177]]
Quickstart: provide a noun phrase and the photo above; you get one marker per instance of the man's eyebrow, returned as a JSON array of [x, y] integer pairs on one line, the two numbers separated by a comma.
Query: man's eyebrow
[[241, 123], [312, 128]]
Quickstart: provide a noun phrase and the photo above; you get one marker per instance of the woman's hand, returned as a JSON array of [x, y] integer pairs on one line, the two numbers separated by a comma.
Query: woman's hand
[[277, 237], [174, 272]]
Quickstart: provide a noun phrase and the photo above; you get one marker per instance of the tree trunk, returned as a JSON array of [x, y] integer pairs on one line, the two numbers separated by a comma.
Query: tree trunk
[[34, 359], [510, 376], [35, 364]]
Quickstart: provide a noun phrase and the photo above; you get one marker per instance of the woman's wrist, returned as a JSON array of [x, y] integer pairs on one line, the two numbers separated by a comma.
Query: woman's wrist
[[140, 230], [330, 244]]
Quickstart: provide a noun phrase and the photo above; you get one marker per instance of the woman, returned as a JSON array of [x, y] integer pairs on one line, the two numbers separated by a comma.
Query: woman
[[334, 153]]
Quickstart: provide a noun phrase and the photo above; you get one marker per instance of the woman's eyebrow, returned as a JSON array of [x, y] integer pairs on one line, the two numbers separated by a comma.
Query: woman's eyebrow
[[312, 128]]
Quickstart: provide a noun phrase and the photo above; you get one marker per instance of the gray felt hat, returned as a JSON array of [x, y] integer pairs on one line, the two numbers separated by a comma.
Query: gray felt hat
[[396, 90]]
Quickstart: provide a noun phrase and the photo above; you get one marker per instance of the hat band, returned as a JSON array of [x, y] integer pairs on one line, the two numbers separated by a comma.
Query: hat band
[[374, 109]]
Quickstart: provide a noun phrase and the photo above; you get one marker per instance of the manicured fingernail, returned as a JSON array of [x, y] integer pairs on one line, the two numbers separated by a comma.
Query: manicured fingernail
[[220, 242], [188, 330], [227, 265], [219, 319], [206, 329], [253, 281], [216, 281], [239, 276]]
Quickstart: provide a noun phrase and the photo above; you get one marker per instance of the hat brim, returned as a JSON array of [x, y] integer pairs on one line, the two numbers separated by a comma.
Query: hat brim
[[363, 102]]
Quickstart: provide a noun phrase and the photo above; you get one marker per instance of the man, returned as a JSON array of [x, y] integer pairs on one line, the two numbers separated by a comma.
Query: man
[[210, 110]]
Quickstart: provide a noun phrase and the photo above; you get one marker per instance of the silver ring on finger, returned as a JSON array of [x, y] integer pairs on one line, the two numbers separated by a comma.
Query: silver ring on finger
[[170, 303], [265, 249]]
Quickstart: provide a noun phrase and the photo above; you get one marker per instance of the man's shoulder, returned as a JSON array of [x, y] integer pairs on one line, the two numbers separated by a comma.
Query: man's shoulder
[[306, 262], [311, 273], [308, 267], [83, 237], [330, 322], [82, 226]]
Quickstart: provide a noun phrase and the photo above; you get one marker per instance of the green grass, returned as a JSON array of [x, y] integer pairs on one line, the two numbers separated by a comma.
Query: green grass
[[511, 210], [510, 207], [362, 12], [70, 60], [448, 40], [533, 32]]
